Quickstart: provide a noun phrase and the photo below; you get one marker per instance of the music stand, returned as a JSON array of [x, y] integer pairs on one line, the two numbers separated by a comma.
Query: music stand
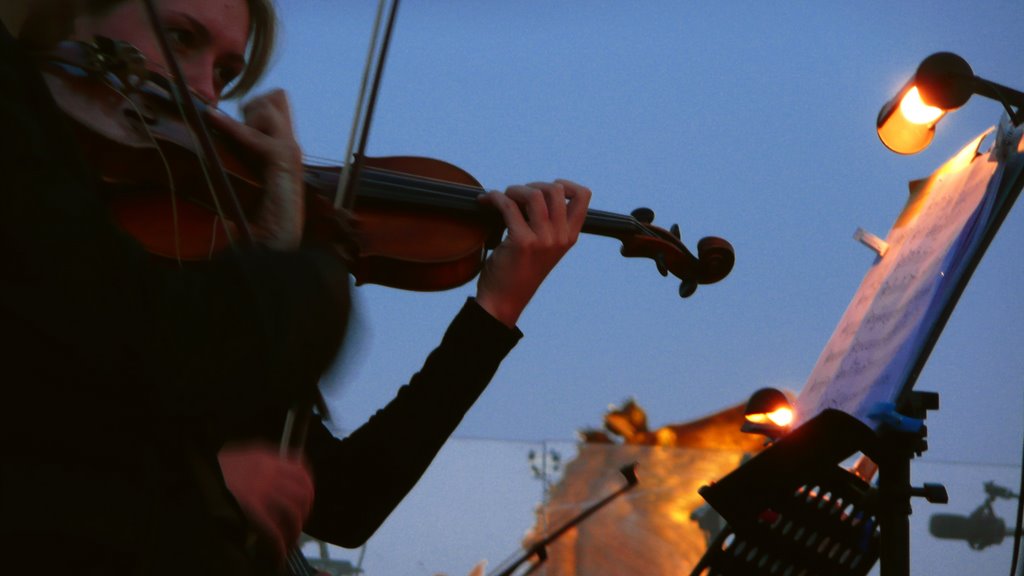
[[792, 510]]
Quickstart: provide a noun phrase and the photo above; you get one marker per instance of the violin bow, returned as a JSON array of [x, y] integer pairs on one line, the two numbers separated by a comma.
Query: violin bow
[[343, 196], [296, 425], [298, 418]]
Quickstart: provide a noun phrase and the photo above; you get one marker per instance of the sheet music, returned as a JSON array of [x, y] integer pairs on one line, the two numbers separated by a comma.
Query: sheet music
[[885, 329]]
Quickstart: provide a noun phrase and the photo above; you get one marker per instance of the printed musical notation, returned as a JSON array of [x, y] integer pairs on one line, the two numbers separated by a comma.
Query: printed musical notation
[[885, 330]]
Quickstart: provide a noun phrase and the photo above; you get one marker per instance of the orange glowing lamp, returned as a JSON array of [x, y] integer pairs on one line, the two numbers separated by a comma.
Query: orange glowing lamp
[[910, 127], [943, 82], [769, 413], [779, 417]]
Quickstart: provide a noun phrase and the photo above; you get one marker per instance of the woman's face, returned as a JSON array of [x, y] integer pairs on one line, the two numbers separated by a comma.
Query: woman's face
[[208, 37]]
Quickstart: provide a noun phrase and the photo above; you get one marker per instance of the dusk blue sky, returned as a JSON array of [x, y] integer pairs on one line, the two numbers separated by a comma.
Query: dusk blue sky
[[751, 121]]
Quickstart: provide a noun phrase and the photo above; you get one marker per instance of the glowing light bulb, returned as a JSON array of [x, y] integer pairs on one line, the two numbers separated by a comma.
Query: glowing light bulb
[[916, 111], [782, 417], [907, 126]]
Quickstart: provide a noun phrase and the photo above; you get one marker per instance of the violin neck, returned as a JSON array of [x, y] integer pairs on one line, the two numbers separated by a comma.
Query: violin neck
[[612, 225], [386, 186]]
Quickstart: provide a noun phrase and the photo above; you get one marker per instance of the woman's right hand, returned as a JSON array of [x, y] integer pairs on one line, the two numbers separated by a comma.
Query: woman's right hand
[[275, 493], [268, 132]]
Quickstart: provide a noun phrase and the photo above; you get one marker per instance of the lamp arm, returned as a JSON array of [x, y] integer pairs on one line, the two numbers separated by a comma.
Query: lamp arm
[[1006, 96]]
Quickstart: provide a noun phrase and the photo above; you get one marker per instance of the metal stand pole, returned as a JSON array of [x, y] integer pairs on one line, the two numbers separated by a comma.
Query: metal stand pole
[[894, 512], [903, 438]]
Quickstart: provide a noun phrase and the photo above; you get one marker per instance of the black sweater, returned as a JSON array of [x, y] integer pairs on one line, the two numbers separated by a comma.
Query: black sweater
[[123, 378]]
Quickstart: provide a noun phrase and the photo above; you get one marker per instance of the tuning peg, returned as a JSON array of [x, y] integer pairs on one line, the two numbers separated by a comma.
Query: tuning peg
[[644, 215], [687, 288], [659, 261], [675, 231]]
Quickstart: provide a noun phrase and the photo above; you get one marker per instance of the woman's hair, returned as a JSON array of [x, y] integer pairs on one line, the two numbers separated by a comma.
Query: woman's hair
[[262, 32]]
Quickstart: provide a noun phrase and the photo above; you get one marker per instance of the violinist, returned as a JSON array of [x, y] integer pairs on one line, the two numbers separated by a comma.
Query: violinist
[[212, 41], [121, 375]]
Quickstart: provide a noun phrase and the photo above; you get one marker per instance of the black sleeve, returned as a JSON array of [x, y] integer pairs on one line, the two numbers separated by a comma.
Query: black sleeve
[[225, 338], [361, 479]]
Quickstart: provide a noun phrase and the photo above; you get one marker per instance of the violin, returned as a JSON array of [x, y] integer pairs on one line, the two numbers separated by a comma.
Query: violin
[[416, 223]]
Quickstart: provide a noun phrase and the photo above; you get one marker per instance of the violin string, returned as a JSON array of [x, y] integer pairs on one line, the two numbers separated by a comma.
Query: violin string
[[460, 191], [197, 128], [172, 189], [204, 168], [294, 566], [464, 193], [444, 188], [213, 236]]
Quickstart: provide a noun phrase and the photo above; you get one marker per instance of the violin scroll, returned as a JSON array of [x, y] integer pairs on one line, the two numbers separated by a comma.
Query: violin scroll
[[713, 262]]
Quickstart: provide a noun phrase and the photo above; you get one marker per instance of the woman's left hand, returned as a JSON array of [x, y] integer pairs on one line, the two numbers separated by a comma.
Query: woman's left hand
[[544, 220]]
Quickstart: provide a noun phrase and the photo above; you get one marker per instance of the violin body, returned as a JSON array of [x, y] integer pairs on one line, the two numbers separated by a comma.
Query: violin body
[[410, 244], [415, 223], [131, 133]]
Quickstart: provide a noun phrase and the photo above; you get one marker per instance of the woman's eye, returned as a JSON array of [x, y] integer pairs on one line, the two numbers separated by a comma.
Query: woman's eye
[[180, 38], [226, 75]]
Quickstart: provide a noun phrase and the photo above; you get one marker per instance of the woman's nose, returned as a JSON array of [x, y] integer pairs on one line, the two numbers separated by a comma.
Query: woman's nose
[[199, 75]]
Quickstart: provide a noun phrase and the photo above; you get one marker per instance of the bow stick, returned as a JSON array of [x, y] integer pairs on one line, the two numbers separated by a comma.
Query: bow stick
[[298, 418]]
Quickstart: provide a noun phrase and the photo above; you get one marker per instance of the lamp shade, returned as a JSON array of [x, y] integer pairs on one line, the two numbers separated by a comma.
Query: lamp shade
[[943, 82], [906, 125], [768, 412]]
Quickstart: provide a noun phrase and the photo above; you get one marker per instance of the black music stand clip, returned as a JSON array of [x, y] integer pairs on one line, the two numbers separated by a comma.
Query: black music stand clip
[[794, 510]]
